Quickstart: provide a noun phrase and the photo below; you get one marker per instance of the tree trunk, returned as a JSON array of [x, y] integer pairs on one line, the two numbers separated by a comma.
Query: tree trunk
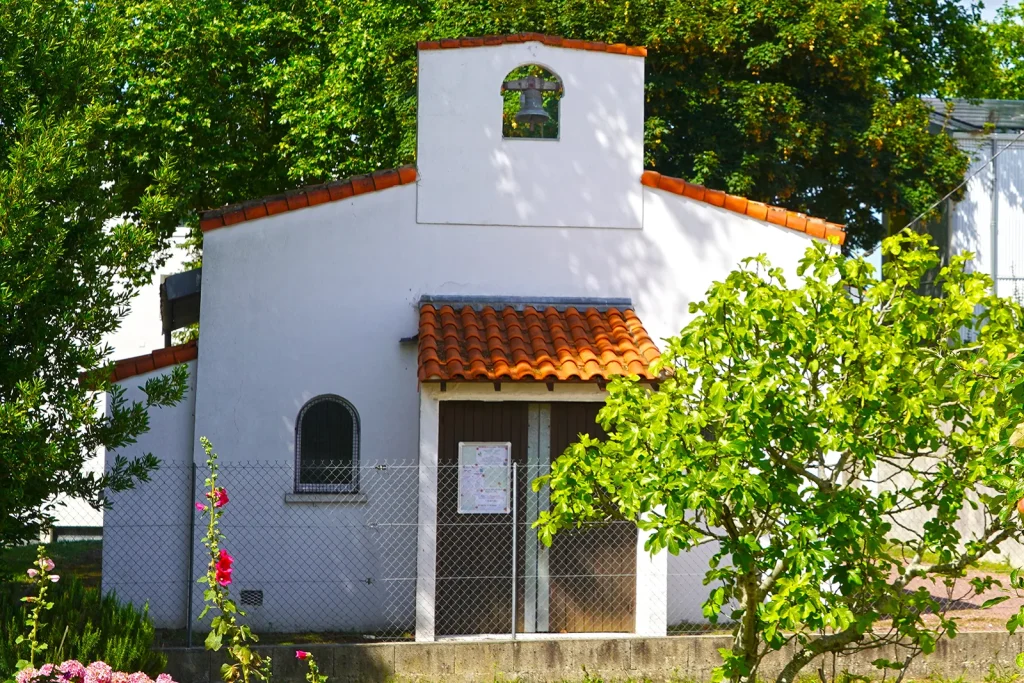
[[745, 642]]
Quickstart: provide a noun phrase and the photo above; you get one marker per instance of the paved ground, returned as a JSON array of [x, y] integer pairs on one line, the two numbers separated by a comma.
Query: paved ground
[[968, 610]]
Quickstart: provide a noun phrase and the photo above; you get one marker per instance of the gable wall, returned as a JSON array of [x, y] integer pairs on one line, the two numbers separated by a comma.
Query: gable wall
[[588, 176], [315, 301]]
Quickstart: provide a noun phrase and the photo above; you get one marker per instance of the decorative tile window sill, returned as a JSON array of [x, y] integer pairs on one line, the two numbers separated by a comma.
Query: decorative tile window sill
[[325, 498]]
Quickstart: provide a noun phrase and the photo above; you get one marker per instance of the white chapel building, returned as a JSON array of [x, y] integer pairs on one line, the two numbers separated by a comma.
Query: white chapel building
[[386, 361]]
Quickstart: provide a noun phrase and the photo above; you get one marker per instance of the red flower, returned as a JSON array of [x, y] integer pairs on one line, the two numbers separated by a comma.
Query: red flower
[[302, 654], [219, 497], [224, 568]]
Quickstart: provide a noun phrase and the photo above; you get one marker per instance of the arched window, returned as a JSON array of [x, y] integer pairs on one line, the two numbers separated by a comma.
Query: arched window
[[327, 447], [532, 95]]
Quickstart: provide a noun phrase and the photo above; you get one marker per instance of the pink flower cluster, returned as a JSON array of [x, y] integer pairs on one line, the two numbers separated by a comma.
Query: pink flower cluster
[[224, 567], [219, 498], [73, 671], [47, 566]]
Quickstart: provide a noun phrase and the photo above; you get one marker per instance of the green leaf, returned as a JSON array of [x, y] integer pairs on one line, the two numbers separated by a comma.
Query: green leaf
[[994, 601], [213, 641]]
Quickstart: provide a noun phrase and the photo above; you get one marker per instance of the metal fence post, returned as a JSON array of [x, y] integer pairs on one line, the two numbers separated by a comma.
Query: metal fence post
[[515, 509], [191, 552]]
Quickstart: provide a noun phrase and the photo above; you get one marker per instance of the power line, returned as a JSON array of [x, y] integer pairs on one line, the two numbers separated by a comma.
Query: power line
[[951, 192]]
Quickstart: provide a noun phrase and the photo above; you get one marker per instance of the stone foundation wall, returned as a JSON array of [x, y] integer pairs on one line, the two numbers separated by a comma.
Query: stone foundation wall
[[680, 658]]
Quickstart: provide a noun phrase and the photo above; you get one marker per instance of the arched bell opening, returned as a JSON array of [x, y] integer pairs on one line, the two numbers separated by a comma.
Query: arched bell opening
[[531, 109]]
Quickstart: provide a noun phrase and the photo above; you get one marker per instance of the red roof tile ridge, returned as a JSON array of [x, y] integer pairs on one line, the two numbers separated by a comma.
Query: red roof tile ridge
[[553, 41], [306, 196], [777, 215], [156, 360]]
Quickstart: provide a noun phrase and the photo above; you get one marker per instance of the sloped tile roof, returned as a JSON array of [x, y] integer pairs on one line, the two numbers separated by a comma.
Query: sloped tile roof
[[554, 41], [305, 196], [506, 343], [161, 358], [815, 227]]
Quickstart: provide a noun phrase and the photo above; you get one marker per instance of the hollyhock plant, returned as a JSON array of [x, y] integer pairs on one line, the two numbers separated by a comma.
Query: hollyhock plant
[[244, 665], [224, 631], [39, 578]]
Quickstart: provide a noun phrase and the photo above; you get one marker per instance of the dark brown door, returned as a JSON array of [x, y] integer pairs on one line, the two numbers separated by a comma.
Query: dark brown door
[[593, 570], [474, 551]]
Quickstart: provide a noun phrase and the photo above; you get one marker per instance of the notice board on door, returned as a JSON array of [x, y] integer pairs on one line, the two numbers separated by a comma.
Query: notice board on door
[[485, 477]]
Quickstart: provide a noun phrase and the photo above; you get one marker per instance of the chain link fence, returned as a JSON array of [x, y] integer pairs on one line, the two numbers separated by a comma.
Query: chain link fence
[[344, 565]]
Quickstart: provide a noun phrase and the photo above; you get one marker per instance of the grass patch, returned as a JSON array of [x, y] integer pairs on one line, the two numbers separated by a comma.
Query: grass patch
[[998, 567], [84, 559]]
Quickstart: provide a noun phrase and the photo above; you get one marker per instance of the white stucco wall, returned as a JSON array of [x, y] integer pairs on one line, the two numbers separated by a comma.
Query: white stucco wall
[[588, 176], [315, 301], [146, 532]]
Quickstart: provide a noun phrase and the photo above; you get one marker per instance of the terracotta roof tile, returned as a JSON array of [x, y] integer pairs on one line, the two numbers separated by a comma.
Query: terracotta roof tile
[[161, 358], [382, 180], [815, 227], [306, 196], [554, 41], [531, 344]]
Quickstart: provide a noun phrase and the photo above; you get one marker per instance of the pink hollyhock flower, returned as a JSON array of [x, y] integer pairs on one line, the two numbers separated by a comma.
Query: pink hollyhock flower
[[33, 573], [73, 671], [98, 672], [47, 564], [221, 498], [224, 567], [54, 578], [200, 507], [302, 654]]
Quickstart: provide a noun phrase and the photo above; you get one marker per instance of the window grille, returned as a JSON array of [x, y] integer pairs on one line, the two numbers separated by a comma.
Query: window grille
[[327, 447]]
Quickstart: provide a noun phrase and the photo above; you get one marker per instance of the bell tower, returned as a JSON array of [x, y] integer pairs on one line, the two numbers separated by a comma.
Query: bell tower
[[581, 170]]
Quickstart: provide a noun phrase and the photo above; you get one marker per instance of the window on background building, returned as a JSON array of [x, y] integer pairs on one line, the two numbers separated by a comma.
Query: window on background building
[[327, 447]]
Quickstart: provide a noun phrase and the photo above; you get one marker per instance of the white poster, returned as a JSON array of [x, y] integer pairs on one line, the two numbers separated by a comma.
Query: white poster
[[484, 478]]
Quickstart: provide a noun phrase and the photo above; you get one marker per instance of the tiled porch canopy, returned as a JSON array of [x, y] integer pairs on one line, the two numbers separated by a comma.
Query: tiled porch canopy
[[495, 342]]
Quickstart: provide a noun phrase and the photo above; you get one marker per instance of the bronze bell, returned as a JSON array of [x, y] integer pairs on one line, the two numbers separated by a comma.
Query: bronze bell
[[531, 107], [531, 101]]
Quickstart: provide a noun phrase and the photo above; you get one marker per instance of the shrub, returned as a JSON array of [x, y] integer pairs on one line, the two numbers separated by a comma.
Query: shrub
[[82, 626]]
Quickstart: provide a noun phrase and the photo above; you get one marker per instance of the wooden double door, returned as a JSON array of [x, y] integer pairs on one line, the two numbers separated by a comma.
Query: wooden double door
[[584, 583]]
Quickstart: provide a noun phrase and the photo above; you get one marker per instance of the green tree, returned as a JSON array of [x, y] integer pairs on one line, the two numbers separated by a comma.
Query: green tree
[[71, 256], [823, 438], [812, 104], [1006, 36]]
